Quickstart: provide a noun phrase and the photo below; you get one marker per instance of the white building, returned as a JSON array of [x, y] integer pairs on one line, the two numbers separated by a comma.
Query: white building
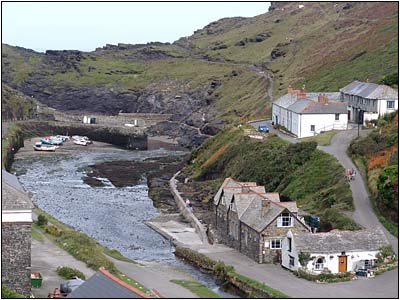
[[367, 101], [306, 114], [336, 251]]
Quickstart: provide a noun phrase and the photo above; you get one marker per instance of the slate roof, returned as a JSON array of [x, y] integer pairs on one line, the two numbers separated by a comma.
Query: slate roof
[[13, 196], [338, 241], [370, 90], [290, 98], [332, 107], [254, 217], [104, 285], [248, 203]]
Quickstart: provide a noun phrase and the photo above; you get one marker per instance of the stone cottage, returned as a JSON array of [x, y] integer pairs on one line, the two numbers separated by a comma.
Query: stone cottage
[[16, 221], [336, 251], [254, 222]]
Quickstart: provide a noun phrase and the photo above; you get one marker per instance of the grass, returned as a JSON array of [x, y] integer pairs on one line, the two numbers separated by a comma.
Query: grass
[[274, 293], [117, 255], [322, 139], [87, 250], [389, 225], [197, 288], [36, 234]]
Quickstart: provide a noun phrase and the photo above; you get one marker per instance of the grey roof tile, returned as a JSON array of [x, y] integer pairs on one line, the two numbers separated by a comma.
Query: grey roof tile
[[338, 241], [101, 286], [13, 196]]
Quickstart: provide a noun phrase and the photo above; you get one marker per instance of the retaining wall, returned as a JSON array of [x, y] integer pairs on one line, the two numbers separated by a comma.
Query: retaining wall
[[186, 213]]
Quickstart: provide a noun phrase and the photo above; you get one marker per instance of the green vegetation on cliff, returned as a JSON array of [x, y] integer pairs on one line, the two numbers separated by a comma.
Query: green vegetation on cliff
[[15, 105], [377, 155], [298, 172]]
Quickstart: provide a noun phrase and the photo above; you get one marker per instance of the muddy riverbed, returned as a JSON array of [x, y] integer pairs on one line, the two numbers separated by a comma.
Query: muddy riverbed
[[114, 216]]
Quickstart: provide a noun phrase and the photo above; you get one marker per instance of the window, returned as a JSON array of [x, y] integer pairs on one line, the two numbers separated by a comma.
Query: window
[[285, 220], [276, 244], [312, 127], [336, 117], [368, 263], [390, 104], [289, 244], [291, 261], [319, 264]]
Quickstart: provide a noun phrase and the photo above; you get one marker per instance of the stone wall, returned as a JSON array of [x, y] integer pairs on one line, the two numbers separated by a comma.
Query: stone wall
[[185, 212], [250, 242], [273, 231], [16, 257]]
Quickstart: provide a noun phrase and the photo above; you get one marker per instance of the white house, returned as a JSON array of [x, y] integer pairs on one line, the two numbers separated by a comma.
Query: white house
[[306, 114], [367, 101], [336, 251]]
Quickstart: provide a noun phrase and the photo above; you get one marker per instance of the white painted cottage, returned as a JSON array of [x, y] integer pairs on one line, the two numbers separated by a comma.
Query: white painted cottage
[[306, 114], [337, 251], [368, 101]]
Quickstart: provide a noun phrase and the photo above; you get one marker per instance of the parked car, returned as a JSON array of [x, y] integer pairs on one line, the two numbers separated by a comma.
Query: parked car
[[263, 128], [68, 286]]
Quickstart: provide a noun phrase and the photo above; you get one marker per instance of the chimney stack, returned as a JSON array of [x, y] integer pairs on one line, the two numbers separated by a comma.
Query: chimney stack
[[320, 98], [265, 204]]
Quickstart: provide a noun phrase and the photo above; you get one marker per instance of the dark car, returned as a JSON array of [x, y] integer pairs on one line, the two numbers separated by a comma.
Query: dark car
[[68, 286], [263, 128]]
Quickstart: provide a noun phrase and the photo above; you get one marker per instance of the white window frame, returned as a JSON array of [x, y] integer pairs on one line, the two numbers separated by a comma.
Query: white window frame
[[312, 128], [273, 243], [286, 218], [337, 117], [390, 106], [319, 266], [291, 261]]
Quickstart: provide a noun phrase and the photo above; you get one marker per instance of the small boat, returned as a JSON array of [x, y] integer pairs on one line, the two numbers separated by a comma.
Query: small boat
[[81, 142], [82, 139], [50, 141], [40, 147], [61, 137]]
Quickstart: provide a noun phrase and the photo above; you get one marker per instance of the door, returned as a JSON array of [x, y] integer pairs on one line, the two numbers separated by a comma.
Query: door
[[342, 263], [348, 115]]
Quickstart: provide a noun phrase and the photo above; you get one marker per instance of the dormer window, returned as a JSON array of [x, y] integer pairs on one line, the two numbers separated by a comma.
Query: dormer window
[[285, 220]]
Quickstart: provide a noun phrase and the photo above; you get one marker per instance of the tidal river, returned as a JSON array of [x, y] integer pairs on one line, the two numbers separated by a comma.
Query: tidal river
[[112, 216]]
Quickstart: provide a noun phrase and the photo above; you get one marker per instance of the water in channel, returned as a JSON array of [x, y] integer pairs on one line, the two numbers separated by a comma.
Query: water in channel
[[112, 216]]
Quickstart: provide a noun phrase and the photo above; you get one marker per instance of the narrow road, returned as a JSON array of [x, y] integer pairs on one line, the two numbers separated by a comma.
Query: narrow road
[[363, 213]]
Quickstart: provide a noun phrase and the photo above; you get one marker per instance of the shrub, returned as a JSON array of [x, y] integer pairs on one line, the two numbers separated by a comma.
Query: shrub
[[304, 258], [384, 252], [53, 230], [70, 273], [6, 293], [387, 186], [42, 220]]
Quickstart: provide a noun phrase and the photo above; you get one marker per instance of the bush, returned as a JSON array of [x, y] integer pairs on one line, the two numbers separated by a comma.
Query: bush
[[70, 273], [53, 230], [387, 186], [6, 293], [384, 252], [42, 220]]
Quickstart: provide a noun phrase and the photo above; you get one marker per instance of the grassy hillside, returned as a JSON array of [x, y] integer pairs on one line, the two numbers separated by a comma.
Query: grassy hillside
[[298, 171], [324, 45], [16, 106], [377, 154]]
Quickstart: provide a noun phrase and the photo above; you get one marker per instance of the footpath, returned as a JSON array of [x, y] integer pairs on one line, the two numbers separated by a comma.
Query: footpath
[[46, 257]]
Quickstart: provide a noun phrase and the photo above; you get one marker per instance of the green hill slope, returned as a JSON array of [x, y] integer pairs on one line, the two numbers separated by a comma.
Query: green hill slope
[[324, 45]]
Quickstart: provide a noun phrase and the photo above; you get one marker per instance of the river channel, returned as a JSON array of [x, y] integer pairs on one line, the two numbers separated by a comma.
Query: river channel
[[112, 216]]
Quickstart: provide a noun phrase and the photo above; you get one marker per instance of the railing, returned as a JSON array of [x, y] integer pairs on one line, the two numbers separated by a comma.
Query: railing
[[339, 126], [319, 266]]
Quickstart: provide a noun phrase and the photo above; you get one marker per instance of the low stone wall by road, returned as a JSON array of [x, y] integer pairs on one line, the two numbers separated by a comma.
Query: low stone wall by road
[[186, 213]]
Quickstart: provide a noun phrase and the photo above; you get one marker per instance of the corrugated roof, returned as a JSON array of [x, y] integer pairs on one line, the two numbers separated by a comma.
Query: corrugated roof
[[338, 241], [370, 90], [101, 285], [13, 196]]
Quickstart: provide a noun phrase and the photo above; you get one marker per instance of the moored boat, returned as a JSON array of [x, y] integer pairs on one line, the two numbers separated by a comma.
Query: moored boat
[[50, 141], [41, 147], [81, 142]]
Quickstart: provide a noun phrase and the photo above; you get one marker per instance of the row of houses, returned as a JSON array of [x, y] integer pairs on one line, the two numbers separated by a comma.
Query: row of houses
[[261, 226], [308, 113]]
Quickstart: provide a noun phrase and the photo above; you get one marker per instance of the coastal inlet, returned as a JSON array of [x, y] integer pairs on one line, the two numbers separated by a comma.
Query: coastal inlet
[[113, 216]]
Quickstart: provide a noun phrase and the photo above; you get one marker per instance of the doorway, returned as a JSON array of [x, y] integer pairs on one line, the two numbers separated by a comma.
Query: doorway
[[342, 263]]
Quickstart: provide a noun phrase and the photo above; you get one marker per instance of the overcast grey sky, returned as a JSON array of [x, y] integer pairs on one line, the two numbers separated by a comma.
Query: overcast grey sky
[[85, 26]]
